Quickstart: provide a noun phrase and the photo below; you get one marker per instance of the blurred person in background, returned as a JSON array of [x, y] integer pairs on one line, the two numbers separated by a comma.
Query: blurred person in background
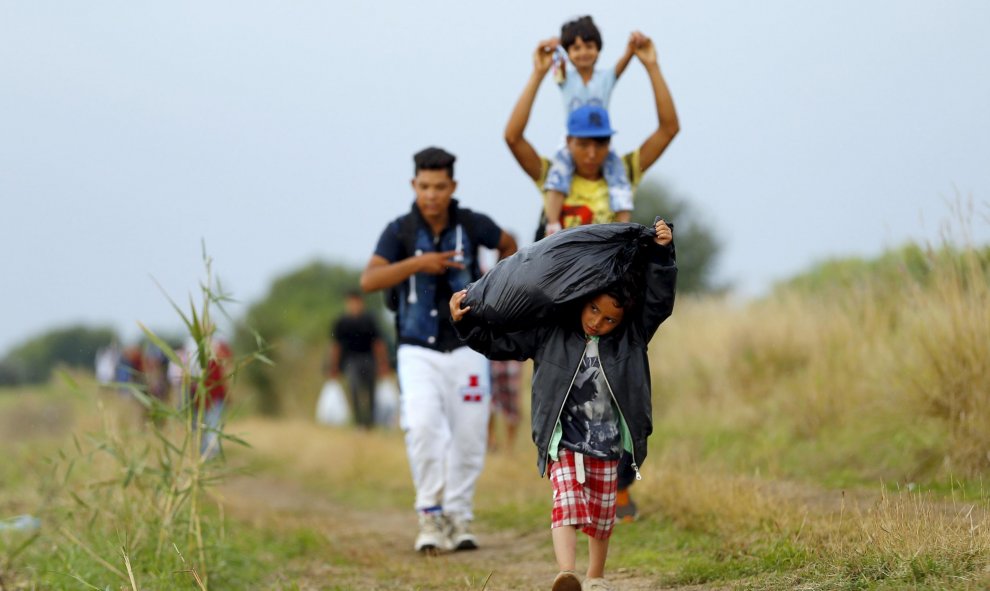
[[358, 352], [505, 402], [203, 386]]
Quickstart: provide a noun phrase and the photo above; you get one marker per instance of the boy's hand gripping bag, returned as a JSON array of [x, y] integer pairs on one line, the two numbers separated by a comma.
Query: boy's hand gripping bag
[[567, 266]]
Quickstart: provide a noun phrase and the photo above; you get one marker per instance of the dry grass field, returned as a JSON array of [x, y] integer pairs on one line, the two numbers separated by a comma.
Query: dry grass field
[[824, 439]]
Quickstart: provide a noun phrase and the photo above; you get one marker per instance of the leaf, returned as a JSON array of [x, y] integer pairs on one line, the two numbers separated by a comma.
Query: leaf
[[233, 438], [164, 347], [78, 499], [185, 319], [12, 554], [69, 381]]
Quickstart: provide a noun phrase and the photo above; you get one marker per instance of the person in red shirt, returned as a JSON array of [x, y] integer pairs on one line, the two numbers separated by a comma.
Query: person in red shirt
[[205, 389]]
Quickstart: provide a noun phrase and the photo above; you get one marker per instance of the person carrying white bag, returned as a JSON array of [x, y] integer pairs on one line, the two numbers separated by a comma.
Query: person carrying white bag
[[331, 406], [358, 353], [386, 402]]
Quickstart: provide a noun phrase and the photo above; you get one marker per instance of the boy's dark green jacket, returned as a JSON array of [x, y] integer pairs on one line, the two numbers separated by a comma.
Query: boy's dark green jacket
[[557, 348]]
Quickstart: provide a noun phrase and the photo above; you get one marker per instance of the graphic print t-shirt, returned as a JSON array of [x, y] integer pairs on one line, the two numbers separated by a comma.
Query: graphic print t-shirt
[[590, 422]]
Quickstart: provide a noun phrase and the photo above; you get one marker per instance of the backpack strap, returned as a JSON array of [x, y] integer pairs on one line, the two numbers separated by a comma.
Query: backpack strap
[[408, 226], [465, 217]]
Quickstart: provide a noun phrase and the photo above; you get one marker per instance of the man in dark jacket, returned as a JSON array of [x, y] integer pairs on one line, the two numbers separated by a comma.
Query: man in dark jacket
[[590, 396]]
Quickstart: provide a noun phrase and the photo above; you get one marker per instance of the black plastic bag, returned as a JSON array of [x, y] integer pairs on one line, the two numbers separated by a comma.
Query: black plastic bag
[[534, 283]]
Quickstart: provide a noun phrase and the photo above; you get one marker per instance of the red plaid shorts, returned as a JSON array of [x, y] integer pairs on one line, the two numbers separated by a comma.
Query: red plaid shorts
[[589, 506]]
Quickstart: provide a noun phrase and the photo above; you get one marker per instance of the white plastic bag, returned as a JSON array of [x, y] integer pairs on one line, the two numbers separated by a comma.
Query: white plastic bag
[[386, 402], [332, 408]]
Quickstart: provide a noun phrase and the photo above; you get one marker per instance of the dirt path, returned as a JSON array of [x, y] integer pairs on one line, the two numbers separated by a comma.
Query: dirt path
[[372, 550], [343, 543]]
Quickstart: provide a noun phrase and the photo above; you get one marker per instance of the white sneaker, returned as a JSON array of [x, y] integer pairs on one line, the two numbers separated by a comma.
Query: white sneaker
[[459, 534], [432, 537], [596, 584]]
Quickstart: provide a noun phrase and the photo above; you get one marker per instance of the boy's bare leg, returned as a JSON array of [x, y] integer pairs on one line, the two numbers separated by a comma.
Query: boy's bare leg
[[565, 546], [553, 205], [597, 553]]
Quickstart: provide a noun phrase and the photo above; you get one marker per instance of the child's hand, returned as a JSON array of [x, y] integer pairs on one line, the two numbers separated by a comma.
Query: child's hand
[[456, 311], [543, 57], [664, 235], [636, 40], [646, 52]]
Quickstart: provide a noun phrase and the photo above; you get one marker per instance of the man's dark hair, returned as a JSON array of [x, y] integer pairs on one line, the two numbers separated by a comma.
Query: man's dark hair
[[354, 294], [434, 159], [582, 27]]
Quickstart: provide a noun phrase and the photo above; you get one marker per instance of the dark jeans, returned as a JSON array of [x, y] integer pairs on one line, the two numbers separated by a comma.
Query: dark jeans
[[360, 373]]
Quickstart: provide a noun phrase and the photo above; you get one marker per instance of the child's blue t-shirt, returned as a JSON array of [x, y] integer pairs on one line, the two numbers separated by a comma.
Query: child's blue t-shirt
[[596, 92]]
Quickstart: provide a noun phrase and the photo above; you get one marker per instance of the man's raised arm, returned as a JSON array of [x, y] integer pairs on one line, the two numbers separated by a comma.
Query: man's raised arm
[[668, 127]]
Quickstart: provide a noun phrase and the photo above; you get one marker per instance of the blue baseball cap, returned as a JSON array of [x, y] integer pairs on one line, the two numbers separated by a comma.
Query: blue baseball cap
[[589, 121]]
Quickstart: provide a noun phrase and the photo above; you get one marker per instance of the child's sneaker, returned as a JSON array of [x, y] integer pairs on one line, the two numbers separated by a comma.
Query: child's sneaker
[[566, 581], [625, 508], [432, 537], [459, 534], [596, 585]]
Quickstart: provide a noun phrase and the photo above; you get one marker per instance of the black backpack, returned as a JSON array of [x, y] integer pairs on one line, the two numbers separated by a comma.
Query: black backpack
[[408, 226]]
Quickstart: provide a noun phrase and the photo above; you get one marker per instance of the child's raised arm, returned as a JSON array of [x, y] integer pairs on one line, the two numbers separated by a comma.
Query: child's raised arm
[[661, 282], [635, 39]]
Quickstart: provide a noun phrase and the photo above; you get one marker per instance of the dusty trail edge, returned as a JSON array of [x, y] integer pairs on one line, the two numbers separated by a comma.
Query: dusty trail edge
[[375, 547]]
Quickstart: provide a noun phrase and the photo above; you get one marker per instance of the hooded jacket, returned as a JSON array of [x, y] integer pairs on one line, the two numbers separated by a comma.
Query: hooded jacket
[[557, 348]]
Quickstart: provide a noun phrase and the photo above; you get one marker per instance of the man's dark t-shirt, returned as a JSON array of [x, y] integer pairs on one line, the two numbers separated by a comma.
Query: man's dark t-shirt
[[355, 334]]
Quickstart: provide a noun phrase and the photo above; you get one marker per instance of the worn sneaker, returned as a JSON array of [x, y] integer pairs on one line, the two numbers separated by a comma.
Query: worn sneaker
[[432, 537], [459, 534], [625, 508], [596, 585], [566, 581]]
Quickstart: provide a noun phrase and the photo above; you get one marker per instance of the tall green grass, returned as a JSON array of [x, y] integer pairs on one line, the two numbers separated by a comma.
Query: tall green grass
[[130, 503]]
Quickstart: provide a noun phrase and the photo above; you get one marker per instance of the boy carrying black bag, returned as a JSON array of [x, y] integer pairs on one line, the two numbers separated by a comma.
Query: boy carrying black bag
[[591, 380]]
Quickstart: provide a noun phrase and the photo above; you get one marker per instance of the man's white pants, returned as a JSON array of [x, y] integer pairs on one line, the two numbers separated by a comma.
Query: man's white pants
[[444, 409]]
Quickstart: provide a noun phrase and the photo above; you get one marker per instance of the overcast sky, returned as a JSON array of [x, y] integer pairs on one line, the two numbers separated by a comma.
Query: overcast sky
[[282, 132]]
